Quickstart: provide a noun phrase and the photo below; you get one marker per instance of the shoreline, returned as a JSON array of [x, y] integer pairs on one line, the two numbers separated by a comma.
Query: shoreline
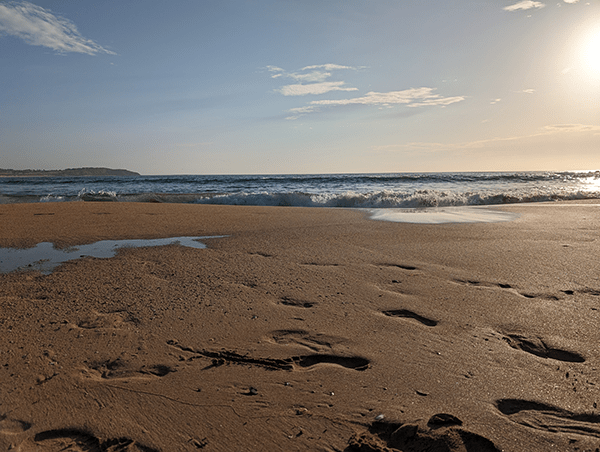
[[303, 329]]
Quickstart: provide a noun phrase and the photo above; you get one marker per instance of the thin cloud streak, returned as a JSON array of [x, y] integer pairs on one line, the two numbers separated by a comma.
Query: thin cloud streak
[[39, 27], [313, 82], [327, 67], [524, 5], [313, 88], [439, 147], [413, 97]]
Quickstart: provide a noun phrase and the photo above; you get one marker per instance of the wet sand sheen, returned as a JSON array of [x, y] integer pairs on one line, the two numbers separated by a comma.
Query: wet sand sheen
[[303, 329]]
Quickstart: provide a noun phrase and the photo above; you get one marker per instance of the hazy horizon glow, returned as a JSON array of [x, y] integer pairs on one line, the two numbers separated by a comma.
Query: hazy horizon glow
[[237, 87]]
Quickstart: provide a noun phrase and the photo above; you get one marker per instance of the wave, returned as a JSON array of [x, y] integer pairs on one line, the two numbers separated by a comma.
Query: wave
[[319, 179], [101, 195], [392, 190], [388, 199], [380, 200]]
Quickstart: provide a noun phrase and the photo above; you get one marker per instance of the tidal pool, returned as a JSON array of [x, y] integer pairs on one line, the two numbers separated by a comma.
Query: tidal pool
[[44, 257]]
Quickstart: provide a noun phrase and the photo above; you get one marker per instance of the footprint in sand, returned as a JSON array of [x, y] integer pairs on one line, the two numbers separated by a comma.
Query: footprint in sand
[[400, 266], [79, 440], [473, 282], [440, 434], [548, 418], [9, 426], [405, 313], [121, 369], [111, 320], [320, 264], [537, 347], [293, 302], [260, 254]]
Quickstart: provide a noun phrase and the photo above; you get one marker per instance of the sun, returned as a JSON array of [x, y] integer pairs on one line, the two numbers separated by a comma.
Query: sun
[[590, 53]]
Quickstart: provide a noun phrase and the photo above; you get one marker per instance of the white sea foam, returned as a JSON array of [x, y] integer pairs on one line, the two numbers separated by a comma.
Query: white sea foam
[[52, 198], [393, 199], [100, 195]]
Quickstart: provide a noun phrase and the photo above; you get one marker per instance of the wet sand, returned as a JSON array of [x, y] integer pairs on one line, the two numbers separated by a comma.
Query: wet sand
[[303, 329]]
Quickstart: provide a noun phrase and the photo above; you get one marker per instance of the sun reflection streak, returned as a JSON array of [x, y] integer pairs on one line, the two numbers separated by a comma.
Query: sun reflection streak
[[591, 182]]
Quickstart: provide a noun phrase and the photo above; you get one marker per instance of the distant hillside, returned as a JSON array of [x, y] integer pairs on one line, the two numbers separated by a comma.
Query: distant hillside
[[67, 172]]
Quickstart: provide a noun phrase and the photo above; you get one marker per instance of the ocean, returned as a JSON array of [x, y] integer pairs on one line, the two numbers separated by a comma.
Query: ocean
[[370, 191], [429, 198]]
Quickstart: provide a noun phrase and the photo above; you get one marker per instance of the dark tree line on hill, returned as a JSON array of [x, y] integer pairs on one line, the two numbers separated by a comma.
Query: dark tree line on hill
[[67, 172]]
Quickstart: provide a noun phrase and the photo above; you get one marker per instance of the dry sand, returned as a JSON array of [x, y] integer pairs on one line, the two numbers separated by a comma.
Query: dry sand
[[303, 329]]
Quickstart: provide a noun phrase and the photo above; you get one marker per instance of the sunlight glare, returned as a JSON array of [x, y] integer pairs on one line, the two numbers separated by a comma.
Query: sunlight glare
[[591, 52]]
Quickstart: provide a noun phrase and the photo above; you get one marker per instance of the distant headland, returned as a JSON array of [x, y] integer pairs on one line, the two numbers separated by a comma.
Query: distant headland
[[67, 172]]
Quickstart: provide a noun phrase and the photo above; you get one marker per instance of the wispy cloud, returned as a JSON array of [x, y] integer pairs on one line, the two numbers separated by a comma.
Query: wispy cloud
[[524, 5], [572, 128], [39, 27], [327, 67], [317, 75], [413, 97], [313, 88], [430, 147], [311, 80]]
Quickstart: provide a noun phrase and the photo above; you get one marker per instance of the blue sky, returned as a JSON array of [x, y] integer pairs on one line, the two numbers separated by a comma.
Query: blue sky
[[218, 87]]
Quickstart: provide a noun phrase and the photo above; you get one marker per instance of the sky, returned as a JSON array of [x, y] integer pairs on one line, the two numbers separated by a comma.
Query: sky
[[300, 86]]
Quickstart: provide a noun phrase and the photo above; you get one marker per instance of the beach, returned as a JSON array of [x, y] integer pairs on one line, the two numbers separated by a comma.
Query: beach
[[302, 328]]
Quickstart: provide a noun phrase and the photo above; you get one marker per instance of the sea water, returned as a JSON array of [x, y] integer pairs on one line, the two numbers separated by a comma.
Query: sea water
[[391, 190], [405, 197]]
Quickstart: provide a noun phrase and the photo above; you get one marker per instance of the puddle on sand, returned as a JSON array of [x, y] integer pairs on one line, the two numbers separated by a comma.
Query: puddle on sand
[[440, 215], [44, 257]]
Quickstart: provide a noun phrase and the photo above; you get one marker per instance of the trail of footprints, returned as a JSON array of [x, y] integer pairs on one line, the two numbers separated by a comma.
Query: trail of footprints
[[533, 345], [443, 429], [531, 414], [488, 285], [405, 313]]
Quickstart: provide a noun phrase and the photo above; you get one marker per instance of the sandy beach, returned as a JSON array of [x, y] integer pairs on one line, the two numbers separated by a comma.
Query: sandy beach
[[302, 329]]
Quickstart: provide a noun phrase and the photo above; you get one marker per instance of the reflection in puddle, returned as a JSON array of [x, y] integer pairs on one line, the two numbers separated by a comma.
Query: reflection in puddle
[[44, 257]]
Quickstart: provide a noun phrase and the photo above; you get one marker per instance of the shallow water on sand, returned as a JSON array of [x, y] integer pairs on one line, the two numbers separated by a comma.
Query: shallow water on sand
[[439, 215], [45, 257]]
